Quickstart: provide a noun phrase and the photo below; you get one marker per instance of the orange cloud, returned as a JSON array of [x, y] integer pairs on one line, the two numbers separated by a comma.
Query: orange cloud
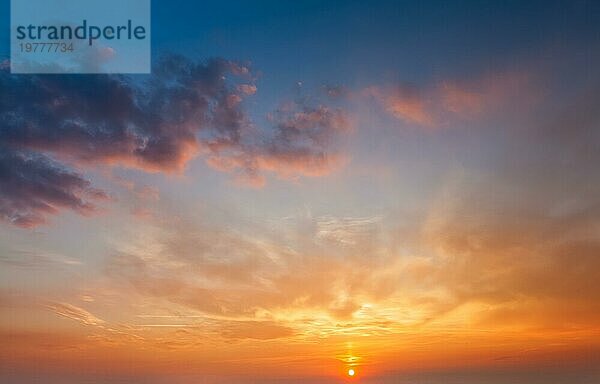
[[404, 104], [75, 313], [449, 100]]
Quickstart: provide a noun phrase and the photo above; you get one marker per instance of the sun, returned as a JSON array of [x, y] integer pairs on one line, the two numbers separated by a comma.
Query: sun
[[351, 372]]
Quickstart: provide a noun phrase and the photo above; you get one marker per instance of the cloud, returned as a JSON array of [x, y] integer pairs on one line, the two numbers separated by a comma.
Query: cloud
[[300, 143], [226, 273], [336, 91], [247, 89], [33, 259], [151, 125], [75, 313], [347, 231], [33, 187], [454, 100], [403, 103], [259, 330], [527, 266], [155, 123], [192, 327]]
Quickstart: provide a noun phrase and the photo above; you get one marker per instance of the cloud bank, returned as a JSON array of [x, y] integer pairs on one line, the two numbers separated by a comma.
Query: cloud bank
[[53, 125]]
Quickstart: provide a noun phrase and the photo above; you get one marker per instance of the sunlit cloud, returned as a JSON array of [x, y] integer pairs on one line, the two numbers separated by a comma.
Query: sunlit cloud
[[451, 100], [75, 313]]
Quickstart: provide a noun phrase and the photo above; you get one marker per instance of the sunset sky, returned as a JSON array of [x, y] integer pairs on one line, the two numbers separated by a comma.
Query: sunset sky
[[300, 188]]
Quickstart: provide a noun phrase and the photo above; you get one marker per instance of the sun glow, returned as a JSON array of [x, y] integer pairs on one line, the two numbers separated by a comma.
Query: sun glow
[[351, 372]]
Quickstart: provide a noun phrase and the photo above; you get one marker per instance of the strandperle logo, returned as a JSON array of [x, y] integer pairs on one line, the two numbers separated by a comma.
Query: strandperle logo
[[82, 32], [74, 36]]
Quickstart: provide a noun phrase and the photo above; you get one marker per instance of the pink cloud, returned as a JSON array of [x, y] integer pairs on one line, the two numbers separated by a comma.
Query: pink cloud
[[449, 100], [403, 104]]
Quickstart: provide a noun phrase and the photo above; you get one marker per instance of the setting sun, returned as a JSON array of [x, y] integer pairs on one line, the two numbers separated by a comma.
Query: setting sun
[[351, 372]]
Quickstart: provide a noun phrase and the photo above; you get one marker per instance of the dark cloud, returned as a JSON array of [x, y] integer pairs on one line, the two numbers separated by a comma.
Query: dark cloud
[[33, 186], [300, 143], [155, 123], [149, 123]]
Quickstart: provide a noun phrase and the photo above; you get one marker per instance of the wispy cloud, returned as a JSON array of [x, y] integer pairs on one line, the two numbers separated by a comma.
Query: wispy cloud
[[75, 313], [35, 259], [450, 100]]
